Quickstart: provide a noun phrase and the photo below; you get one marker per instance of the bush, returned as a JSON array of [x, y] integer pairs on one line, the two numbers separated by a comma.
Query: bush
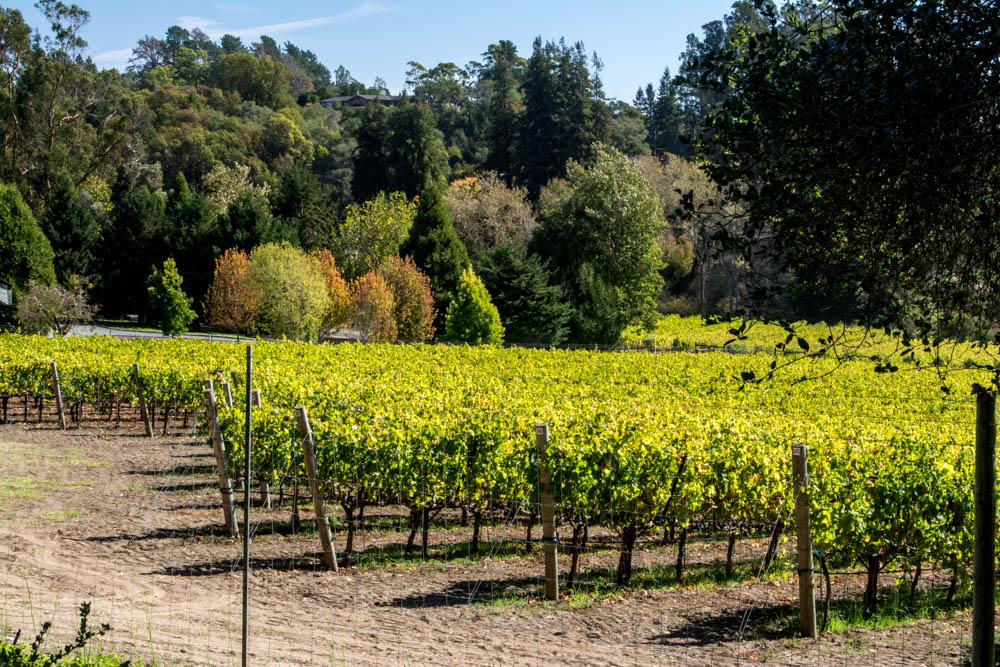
[[372, 305], [291, 290], [14, 654], [170, 305], [411, 289], [472, 317]]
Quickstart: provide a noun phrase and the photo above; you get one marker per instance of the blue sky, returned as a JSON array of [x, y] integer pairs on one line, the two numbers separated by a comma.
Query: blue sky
[[635, 39]]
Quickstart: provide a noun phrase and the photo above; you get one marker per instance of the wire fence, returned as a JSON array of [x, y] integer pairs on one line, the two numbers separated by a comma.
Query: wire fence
[[101, 513]]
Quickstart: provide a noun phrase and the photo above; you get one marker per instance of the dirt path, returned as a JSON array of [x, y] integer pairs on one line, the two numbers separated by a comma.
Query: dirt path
[[133, 526]]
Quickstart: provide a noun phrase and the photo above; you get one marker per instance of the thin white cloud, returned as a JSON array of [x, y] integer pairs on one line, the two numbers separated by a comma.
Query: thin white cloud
[[192, 22], [117, 59], [210, 26]]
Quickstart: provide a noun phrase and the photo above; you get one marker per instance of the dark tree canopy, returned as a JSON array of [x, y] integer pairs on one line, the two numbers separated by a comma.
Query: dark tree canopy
[[71, 227], [436, 248], [861, 141]]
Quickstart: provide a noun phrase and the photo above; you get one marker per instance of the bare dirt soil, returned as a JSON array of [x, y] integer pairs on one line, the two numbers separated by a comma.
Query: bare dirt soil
[[133, 525]]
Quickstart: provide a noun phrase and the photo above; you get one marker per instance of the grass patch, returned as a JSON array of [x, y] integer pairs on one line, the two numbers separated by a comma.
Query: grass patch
[[62, 515]]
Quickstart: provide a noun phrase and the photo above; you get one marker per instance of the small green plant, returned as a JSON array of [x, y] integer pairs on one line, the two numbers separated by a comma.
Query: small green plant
[[14, 654], [472, 317], [170, 305]]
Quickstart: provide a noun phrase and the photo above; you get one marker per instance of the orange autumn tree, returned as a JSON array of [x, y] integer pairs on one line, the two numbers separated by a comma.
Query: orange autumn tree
[[231, 303], [414, 310], [372, 305], [340, 295]]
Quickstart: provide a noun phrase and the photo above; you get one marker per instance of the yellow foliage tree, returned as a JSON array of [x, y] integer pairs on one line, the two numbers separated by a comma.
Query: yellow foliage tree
[[373, 305]]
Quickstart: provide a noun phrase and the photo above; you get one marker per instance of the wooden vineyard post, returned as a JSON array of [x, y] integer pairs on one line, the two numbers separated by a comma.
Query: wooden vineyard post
[[547, 509], [255, 398], [219, 447], [140, 394], [807, 600], [228, 393], [984, 547], [58, 392], [309, 454]]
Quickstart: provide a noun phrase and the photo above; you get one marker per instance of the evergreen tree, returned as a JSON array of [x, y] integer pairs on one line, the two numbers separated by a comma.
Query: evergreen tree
[[533, 310], [416, 156], [132, 240], [565, 112], [371, 164], [71, 227], [170, 307], [25, 253], [504, 107], [301, 201], [436, 248], [190, 231], [472, 317], [248, 223]]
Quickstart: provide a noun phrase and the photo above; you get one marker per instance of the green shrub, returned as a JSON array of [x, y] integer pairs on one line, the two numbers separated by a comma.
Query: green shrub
[[472, 317]]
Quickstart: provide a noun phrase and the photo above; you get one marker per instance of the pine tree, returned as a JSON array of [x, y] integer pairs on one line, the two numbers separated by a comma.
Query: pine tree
[[71, 227], [504, 109], [533, 310], [191, 228], [436, 248]]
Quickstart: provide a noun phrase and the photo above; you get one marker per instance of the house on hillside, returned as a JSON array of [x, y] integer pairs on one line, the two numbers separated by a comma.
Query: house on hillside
[[359, 100]]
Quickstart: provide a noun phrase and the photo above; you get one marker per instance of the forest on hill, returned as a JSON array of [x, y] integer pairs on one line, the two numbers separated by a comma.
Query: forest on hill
[[221, 183]]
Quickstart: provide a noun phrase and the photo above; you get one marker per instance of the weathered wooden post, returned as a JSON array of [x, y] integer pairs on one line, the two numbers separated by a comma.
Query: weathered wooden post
[[309, 453], [141, 395], [807, 600], [219, 447], [984, 547], [547, 509], [58, 392]]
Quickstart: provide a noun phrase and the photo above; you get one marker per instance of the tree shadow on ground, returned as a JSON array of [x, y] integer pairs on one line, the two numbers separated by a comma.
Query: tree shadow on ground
[[472, 591], [303, 562], [765, 621]]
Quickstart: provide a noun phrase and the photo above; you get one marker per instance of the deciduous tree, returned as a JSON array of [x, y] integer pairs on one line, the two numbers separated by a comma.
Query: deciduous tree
[[231, 303], [601, 236], [372, 305], [372, 232], [413, 308]]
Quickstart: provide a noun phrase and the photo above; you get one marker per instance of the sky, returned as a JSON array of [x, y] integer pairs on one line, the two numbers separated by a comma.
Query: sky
[[635, 39]]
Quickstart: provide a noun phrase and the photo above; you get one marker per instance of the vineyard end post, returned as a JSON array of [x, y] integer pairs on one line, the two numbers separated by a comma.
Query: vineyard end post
[[58, 392], [984, 547], [807, 599], [547, 510], [309, 454], [219, 448]]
